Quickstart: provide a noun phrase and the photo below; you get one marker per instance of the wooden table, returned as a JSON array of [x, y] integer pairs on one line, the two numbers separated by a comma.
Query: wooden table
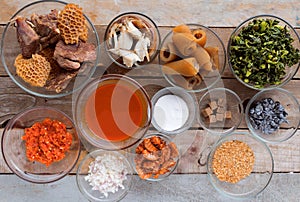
[[190, 182]]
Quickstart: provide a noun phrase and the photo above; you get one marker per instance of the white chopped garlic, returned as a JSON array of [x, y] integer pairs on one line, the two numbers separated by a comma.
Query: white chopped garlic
[[107, 174]]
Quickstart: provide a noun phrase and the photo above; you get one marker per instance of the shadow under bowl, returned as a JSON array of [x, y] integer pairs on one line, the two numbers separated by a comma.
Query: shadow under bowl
[[258, 179], [14, 148], [10, 49]]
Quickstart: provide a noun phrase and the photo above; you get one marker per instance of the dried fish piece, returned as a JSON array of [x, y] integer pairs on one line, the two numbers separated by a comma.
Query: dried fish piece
[[130, 39], [155, 157]]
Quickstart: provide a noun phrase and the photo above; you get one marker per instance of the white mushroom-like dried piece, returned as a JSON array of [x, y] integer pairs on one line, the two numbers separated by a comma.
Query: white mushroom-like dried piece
[[133, 30], [112, 35], [128, 56], [125, 40], [141, 48]]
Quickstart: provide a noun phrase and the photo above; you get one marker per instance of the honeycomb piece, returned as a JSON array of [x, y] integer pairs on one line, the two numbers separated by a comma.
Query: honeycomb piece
[[34, 71], [72, 24]]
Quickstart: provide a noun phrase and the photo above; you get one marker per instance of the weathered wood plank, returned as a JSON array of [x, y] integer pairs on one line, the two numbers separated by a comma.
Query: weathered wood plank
[[192, 143], [152, 69], [176, 188], [176, 12], [151, 85]]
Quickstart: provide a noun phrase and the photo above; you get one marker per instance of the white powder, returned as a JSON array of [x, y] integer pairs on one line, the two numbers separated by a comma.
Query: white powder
[[170, 112], [106, 174]]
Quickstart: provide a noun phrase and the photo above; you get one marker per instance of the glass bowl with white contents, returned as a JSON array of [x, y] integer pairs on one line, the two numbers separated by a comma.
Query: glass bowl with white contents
[[104, 176], [174, 110]]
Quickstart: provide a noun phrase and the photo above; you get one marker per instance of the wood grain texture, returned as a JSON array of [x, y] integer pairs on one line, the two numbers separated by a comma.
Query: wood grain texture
[[190, 182], [152, 69], [196, 144], [206, 12], [177, 188]]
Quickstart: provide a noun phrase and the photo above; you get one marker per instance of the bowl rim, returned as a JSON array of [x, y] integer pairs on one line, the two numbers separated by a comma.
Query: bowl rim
[[253, 99], [221, 70], [20, 114], [164, 136], [113, 21], [244, 23], [240, 105], [99, 152], [97, 80], [172, 91], [45, 95], [224, 139]]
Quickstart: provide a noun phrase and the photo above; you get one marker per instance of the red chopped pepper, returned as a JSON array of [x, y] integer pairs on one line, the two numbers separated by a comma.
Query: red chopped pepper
[[47, 141]]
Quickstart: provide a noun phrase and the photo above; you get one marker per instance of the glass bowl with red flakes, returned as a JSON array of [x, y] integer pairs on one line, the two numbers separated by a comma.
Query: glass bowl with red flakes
[[40, 144]]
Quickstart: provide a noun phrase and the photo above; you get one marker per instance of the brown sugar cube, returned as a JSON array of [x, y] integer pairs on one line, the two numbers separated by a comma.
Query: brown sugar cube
[[207, 111], [221, 110], [213, 105], [221, 102], [212, 119], [228, 115], [219, 117]]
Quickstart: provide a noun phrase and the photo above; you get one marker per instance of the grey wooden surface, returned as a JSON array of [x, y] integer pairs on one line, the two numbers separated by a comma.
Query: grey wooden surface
[[177, 188], [190, 183]]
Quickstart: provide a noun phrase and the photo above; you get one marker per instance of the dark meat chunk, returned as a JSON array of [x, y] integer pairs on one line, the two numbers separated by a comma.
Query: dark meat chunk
[[46, 27], [66, 63], [61, 80], [27, 38], [68, 55]]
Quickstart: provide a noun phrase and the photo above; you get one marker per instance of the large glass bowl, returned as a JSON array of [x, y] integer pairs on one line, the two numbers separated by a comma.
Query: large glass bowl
[[93, 126], [290, 105], [14, 148], [244, 71], [95, 195], [10, 48], [260, 176], [151, 31], [207, 79]]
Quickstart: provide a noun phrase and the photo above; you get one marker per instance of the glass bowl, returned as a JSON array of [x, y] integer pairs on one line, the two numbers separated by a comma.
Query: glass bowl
[[261, 173], [14, 148], [263, 63], [149, 157], [134, 29], [180, 109], [73, 80], [112, 112], [172, 57], [220, 111], [110, 157], [286, 129]]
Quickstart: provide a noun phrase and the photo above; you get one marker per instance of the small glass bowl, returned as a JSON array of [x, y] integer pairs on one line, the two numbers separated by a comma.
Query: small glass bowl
[[190, 83], [85, 115], [230, 102], [95, 195], [14, 148], [289, 71], [151, 30], [260, 176], [171, 112], [10, 48], [291, 106], [134, 155]]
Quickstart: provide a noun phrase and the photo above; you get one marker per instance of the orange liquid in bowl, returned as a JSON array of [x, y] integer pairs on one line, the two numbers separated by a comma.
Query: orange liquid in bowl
[[115, 112]]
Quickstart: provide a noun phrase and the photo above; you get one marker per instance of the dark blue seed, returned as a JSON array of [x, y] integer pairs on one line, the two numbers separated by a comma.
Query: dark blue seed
[[270, 100]]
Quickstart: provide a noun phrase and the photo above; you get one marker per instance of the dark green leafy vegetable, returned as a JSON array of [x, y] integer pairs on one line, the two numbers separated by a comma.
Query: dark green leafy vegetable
[[262, 51]]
